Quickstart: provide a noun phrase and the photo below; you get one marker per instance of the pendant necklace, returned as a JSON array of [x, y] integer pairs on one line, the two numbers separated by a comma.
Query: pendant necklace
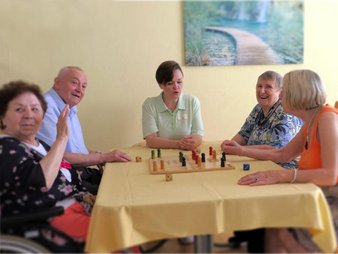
[[308, 128]]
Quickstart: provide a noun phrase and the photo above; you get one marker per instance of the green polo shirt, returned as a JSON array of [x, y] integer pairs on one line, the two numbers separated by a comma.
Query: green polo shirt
[[185, 120]]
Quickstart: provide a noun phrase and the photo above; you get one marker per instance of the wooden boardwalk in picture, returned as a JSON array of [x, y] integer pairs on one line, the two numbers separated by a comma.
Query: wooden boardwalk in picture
[[250, 49]]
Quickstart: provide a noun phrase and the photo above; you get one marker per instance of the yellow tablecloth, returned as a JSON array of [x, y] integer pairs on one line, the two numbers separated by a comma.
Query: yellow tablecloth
[[135, 207]]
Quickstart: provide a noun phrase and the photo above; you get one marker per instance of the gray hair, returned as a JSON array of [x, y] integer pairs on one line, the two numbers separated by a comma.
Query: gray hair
[[272, 75]]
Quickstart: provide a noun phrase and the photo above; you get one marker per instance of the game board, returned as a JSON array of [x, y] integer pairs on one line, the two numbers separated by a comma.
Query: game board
[[173, 165]]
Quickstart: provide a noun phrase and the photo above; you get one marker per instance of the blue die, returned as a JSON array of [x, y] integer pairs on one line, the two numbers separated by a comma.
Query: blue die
[[246, 166]]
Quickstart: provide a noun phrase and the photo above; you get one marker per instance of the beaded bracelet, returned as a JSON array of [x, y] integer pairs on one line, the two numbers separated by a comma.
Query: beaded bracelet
[[294, 175]]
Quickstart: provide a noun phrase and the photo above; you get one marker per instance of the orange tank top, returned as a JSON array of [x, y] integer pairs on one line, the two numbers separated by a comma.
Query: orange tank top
[[310, 158]]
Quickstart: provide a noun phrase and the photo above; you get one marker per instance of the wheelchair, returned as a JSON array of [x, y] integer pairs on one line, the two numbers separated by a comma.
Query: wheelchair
[[31, 233]]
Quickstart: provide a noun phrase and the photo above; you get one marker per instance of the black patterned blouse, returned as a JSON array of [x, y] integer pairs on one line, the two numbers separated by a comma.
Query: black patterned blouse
[[22, 182]]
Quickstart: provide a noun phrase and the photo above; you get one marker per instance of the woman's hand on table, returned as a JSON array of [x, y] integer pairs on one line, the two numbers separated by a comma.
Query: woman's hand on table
[[262, 178], [187, 143]]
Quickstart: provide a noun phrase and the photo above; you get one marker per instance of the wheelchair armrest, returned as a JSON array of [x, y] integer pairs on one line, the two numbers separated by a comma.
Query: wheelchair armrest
[[101, 167], [21, 219]]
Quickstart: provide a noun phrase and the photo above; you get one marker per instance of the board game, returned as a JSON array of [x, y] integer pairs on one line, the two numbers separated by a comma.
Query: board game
[[174, 164]]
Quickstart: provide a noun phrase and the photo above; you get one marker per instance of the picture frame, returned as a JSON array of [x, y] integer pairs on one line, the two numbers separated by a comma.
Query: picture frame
[[256, 32]]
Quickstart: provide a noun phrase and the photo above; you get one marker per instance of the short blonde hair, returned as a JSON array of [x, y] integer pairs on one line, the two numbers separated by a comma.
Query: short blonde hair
[[303, 90]]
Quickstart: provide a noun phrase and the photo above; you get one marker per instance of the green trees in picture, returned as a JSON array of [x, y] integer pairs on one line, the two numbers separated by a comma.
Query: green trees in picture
[[243, 32]]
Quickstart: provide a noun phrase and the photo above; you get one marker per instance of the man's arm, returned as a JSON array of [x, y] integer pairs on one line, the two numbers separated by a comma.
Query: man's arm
[[94, 158]]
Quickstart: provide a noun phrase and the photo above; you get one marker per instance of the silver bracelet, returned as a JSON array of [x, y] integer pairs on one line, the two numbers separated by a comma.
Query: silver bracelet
[[294, 175]]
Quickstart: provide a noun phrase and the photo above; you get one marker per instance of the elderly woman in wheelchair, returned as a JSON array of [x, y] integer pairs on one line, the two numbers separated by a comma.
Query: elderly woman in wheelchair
[[33, 176]]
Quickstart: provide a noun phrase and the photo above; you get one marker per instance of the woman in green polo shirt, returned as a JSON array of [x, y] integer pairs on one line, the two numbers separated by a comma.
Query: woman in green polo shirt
[[172, 119]]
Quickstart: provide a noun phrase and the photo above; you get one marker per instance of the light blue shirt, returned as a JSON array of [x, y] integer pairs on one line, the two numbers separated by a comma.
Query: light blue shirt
[[185, 120], [47, 132]]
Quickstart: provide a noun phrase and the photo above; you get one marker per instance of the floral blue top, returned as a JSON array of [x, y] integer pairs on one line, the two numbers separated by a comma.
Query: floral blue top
[[276, 129], [22, 182]]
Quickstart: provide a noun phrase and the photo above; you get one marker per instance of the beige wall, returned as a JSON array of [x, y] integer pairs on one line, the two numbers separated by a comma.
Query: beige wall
[[120, 44]]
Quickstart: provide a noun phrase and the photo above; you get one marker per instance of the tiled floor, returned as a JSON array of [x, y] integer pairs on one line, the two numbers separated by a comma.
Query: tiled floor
[[220, 246]]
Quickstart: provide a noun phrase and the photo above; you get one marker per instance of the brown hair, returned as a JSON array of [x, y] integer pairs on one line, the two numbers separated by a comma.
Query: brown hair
[[165, 71], [12, 90]]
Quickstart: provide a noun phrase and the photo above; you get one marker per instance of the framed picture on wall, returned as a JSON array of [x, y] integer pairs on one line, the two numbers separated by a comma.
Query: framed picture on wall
[[243, 32]]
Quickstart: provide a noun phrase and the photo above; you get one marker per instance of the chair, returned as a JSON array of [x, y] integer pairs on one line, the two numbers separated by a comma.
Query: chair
[[336, 104], [26, 233]]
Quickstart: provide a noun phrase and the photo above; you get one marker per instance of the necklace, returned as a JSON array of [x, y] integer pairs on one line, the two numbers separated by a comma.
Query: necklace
[[308, 128], [262, 119]]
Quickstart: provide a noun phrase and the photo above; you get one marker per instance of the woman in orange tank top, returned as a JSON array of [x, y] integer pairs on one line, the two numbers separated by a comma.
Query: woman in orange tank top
[[304, 96]]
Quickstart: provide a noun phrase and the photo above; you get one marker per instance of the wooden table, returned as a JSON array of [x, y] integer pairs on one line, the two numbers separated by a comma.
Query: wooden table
[[135, 207]]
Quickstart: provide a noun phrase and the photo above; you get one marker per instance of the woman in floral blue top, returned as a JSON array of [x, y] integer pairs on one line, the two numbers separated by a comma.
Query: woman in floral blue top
[[32, 176], [268, 124]]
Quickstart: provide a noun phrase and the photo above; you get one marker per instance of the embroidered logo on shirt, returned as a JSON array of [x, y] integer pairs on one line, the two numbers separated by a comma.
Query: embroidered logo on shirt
[[183, 116]]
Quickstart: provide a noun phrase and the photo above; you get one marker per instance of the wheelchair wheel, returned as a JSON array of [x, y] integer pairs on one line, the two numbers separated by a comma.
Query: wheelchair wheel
[[16, 244]]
